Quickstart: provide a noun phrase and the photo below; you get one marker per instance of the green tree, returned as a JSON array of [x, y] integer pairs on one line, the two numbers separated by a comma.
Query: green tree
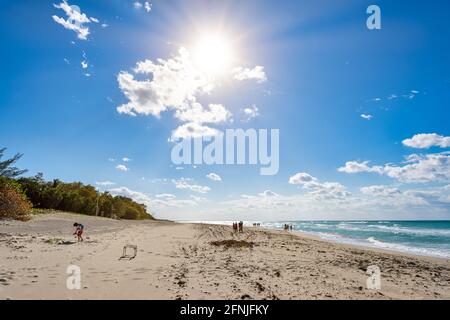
[[6, 169], [80, 198]]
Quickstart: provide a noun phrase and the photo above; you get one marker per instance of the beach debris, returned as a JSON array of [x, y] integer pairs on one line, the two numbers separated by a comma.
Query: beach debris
[[125, 255], [233, 243], [58, 241]]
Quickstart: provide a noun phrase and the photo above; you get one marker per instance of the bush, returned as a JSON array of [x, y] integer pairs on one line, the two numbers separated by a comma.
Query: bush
[[13, 203]]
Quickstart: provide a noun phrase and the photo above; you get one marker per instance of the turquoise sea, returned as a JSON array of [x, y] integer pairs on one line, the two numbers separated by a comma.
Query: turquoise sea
[[431, 238]]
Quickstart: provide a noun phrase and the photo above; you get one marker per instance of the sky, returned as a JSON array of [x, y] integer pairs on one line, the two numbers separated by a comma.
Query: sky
[[100, 94]]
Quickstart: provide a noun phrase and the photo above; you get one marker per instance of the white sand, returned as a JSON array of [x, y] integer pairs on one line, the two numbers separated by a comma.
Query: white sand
[[178, 261]]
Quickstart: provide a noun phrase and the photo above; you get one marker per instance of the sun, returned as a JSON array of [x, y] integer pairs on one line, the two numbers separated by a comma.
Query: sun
[[213, 54]]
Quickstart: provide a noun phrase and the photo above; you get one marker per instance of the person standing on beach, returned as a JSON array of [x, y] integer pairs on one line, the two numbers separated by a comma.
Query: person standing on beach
[[241, 224], [78, 231]]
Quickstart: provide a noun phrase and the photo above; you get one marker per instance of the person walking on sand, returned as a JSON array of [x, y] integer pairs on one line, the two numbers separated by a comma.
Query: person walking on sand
[[241, 225], [78, 231]]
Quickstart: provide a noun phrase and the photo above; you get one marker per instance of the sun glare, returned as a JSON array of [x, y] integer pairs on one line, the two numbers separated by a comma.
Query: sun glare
[[213, 54]]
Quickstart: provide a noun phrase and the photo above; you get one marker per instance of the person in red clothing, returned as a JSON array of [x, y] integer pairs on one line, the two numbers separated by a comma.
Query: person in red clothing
[[79, 228]]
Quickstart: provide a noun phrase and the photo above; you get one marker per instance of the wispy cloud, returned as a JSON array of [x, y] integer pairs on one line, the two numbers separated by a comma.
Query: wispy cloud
[[122, 167], [184, 184], [251, 112], [75, 21], [146, 5], [105, 183], [214, 176], [257, 73]]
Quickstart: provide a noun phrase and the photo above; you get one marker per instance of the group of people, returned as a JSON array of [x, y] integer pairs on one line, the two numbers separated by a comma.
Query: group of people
[[257, 224], [287, 227], [238, 226]]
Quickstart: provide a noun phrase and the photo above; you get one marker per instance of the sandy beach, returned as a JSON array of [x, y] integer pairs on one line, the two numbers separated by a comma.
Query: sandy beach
[[195, 261]]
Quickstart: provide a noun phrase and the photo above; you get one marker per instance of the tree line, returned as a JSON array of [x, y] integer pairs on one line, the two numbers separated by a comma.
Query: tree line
[[57, 195]]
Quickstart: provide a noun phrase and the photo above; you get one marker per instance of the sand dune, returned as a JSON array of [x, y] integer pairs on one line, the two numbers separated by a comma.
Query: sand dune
[[194, 261]]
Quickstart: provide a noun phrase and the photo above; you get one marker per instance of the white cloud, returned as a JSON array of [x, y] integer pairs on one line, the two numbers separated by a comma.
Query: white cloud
[[382, 196], [75, 19], [193, 130], [166, 196], [251, 112], [215, 113], [418, 169], [427, 168], [164, 201], [392, 97], [410, 95], [367, 116], [268, 193], [126, 159], [148, 6], [318, 189], [105, 183], [357, 167], [175, 84], [184, 184], [198, 199], [301, 178], [214, 176], [373, 202], [427, 140], [383, 191], [257, 73], [137, 196], [122, 167], [84, 64], [138, 5]]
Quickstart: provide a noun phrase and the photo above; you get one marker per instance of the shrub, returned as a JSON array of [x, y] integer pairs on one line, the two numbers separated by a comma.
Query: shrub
[[13, 203]]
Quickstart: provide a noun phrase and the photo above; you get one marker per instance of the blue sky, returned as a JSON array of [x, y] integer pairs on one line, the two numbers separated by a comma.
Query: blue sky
[[363, 114]]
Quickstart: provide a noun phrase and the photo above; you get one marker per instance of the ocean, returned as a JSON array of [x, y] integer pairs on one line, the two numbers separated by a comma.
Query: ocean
[[430, 238], [427, 238]]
